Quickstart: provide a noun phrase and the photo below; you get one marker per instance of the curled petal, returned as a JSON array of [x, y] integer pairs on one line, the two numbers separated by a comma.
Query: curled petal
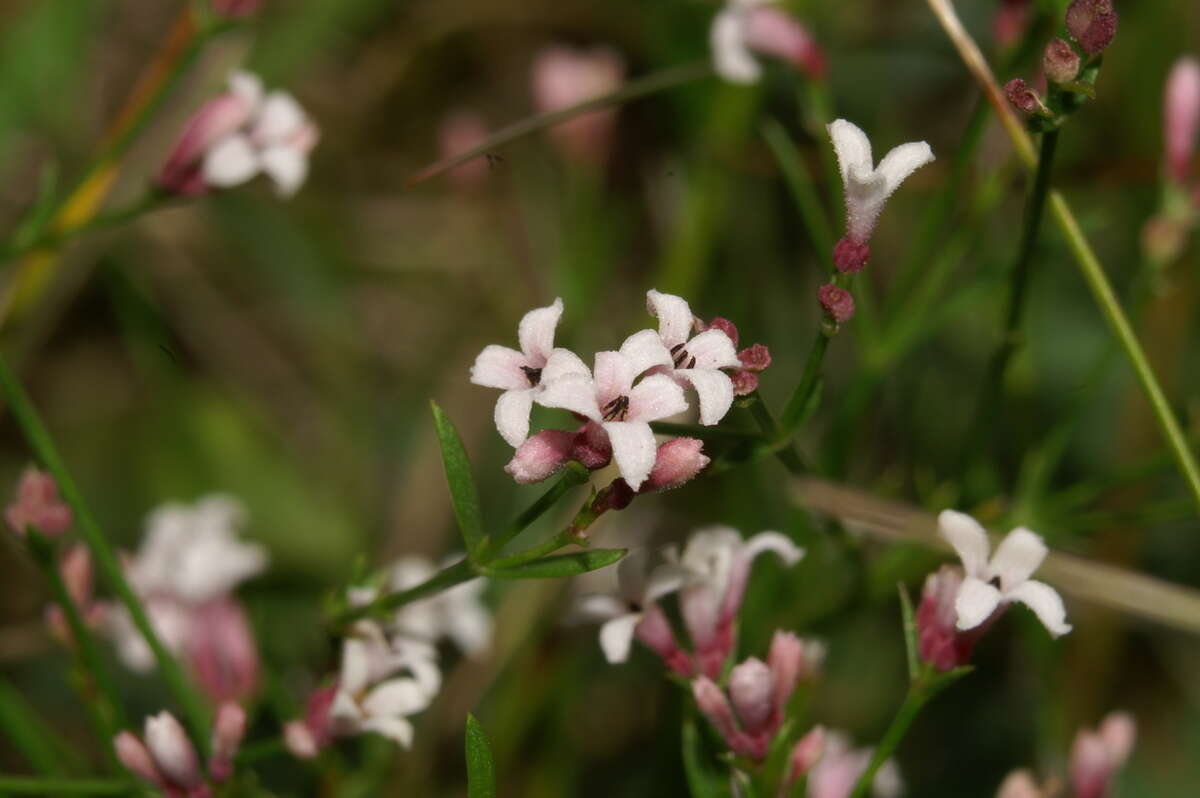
[[599, 607], [1045, 603], [968, 539], [663, 580], [401, 696], [775, 542], [616, 636], [645, 350], [852, 146], [714, 390], [279, 119], [633, 449], [230, 162], [512, 415], [287, 166], [655, 397], [1016, 558], [398, 730], [536, 332], [674, 317], [713, 349], [901, 162], [731, 57], [976, 602], [500, 367]]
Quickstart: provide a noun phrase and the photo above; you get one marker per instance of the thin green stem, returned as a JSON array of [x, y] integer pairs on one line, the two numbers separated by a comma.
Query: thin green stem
[[793, 413], [574, 475], [448, 577], [27, 733], [786, 453], [563, 538], [914, 702], [704, 433], [19, 785], [151, 201], [109, 566]]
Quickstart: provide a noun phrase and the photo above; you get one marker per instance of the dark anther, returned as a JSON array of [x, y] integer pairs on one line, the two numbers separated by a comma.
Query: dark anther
[[681, 357], [533, 375], [692, 363], [617, 409]]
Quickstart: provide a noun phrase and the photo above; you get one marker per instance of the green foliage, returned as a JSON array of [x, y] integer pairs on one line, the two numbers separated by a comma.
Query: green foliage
[[558, 566], [481, 770], [463, 493]]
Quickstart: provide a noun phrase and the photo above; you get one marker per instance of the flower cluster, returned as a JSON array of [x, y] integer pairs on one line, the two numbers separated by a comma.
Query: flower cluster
[[620, 396], [389, 671], [1096, 758], [166, 758], [746, 27], [959, 605]]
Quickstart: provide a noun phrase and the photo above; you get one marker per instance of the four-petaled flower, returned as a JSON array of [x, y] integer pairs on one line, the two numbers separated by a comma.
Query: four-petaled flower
[[696, 359], [991, 584]]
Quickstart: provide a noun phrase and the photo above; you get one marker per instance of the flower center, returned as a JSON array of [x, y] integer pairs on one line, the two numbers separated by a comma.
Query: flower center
[[617, 409], [533, 375], [681, 357]]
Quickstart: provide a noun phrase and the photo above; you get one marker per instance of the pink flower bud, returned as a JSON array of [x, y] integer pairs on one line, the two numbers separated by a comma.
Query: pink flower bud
[[76, 570], [725, 326], [939, 641], [851, 255], [137, 759], [464, 130], [1096, 756], [654, 631], [37, 505], [300, 740], [752, 689], [678, 461], [541, 455], [228, 731], [792, 659], [172, 751], [838, 303], [591, 446], [1060, 62], [715, 706], [182, 174], [1181, 111], [755, 358], [1010, 22], [1092, 23], [772, 31], [236, 8], [562, 77], [744, 382], [222, 652], [1019, 784], [806, 753], [1119, 732], [1023, 98]]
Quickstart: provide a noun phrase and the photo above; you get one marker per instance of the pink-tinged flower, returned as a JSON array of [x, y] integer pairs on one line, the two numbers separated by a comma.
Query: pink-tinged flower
[[939, 640], [520, 375], [807, 751], [612, 400], [838, 303], [457, 614], [221, 651], [696, 359], [1096, 756], [717, 561], [306, 737], [172, 752], [1015, 560], [544, 453], [1020, 784], [564, 76], [238, 135], [1092, 23], [867, 187], [460, 131], [382, 683], [633, 611], [228, 731], [746, 27], [236, 8], [37, 505], [1181, 117], [1011, 21], [841, 766], [75, 567], [678, 462], [753, 360]]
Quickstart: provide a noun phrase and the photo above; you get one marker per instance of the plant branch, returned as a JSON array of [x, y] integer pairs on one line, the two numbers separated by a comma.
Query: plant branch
[[796, 407], [20, 785]]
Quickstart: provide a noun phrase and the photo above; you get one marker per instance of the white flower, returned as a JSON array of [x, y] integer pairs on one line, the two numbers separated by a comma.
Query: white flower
[[745, 27], [372, 695], [623, 611], [519, 374], [731, 52], [276, 140], [610, 398], [1015, 560], [698, 359], [456, 613], [867, 186]]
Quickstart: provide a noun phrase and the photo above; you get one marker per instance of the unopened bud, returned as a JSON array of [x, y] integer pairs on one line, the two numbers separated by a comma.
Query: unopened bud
[[806, 753], [725, 326], [851, 255], [172, 751], [1023, 98], [752, 690], [1092, 23], [228, 732], [772, 31], [591, 446], [744, 382], [1181, 117], [541, 455], [837, 303], [1019, 784], [299, 740], [678, 461], [1060, 62], [714, 705], [1119, 732], [136, 758], [755, 358]]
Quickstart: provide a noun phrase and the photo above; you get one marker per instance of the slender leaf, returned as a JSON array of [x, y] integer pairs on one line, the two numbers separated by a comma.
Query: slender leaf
[[481, 771], [463, 493], [560, 565], [706, 777]]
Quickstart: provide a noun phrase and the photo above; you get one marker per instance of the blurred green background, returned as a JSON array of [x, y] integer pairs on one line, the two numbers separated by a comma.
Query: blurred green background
[[285, 353]]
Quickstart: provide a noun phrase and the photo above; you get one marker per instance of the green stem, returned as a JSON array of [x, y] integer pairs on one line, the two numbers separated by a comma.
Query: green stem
[[564, 538], [151, 201], [25, 730], [574, 474], [446, 578], [787, 453], [19, 785], [914, 702], [704, 433], [109, 566], [798, 404]]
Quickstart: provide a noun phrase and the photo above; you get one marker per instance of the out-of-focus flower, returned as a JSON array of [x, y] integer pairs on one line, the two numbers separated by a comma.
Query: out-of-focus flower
[[868, 187], [1092, 23], [939, 640], [306, 737], [1020, 784], [745, 27], [564, 76], [75, 567], [718, 562], [228, 731], [805, 753], [460, 131], [236, 136], [622, 409], [1181, 117], [37, 505], [1096, 756], [1060, 62], [519, 374], [1015, 560], [841, 766], [236, 8], [166, 758], [696, 359], [1011, 21], [838, 303], [185, 572], [457, 613]]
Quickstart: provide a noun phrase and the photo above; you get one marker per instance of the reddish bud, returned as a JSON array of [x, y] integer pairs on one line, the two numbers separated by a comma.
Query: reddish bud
[[221, 651], [1181, 117], [939, 641], [806, 753], [1092, 23], [851, 255], [715, 706], [1023, 98], [172, 751], [753, 692], [591, 446], [678, 461], [228, 731], [755, 358], [37, 505], [541, 455], [744, 382], [136, 758], [837, 303], [1060, 62]]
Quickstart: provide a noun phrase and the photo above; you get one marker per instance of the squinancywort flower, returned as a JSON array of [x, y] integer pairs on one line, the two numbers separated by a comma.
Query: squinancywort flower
[[564, 76], [717, 561], [992, 584], [37, 505], [840, 767], [239, 134], [868, 187], [696, 359], [519, 374], [1096, 756], [745, 27], [612, 400]]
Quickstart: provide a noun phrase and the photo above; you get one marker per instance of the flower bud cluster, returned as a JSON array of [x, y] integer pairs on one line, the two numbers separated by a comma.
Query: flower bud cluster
[[166, 758]]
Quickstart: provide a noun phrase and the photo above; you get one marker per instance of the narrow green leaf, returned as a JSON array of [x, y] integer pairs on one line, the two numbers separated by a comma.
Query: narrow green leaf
[[706, 777], [463, 494], [481, 771], [560, 565]]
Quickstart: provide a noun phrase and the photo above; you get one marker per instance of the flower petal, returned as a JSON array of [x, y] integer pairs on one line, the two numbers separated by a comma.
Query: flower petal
[[968, 539], [614, 376], [633, 449], [500, 367], [657, 396], [398, 730], [713, 349], [975, 603], [247, 87], [574, 392], [674, 316], [616, 636], [714, 389], [901, 162], [731, 57], [775, 542], [664, 579], [356, 666], [231, 161], [512, 415], [645, 349], [1045, 603], [599, 607], [1016, 558], [853, 148], [562, 362], [287, 166], [279, 118], [402, 696], [536, 332]]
